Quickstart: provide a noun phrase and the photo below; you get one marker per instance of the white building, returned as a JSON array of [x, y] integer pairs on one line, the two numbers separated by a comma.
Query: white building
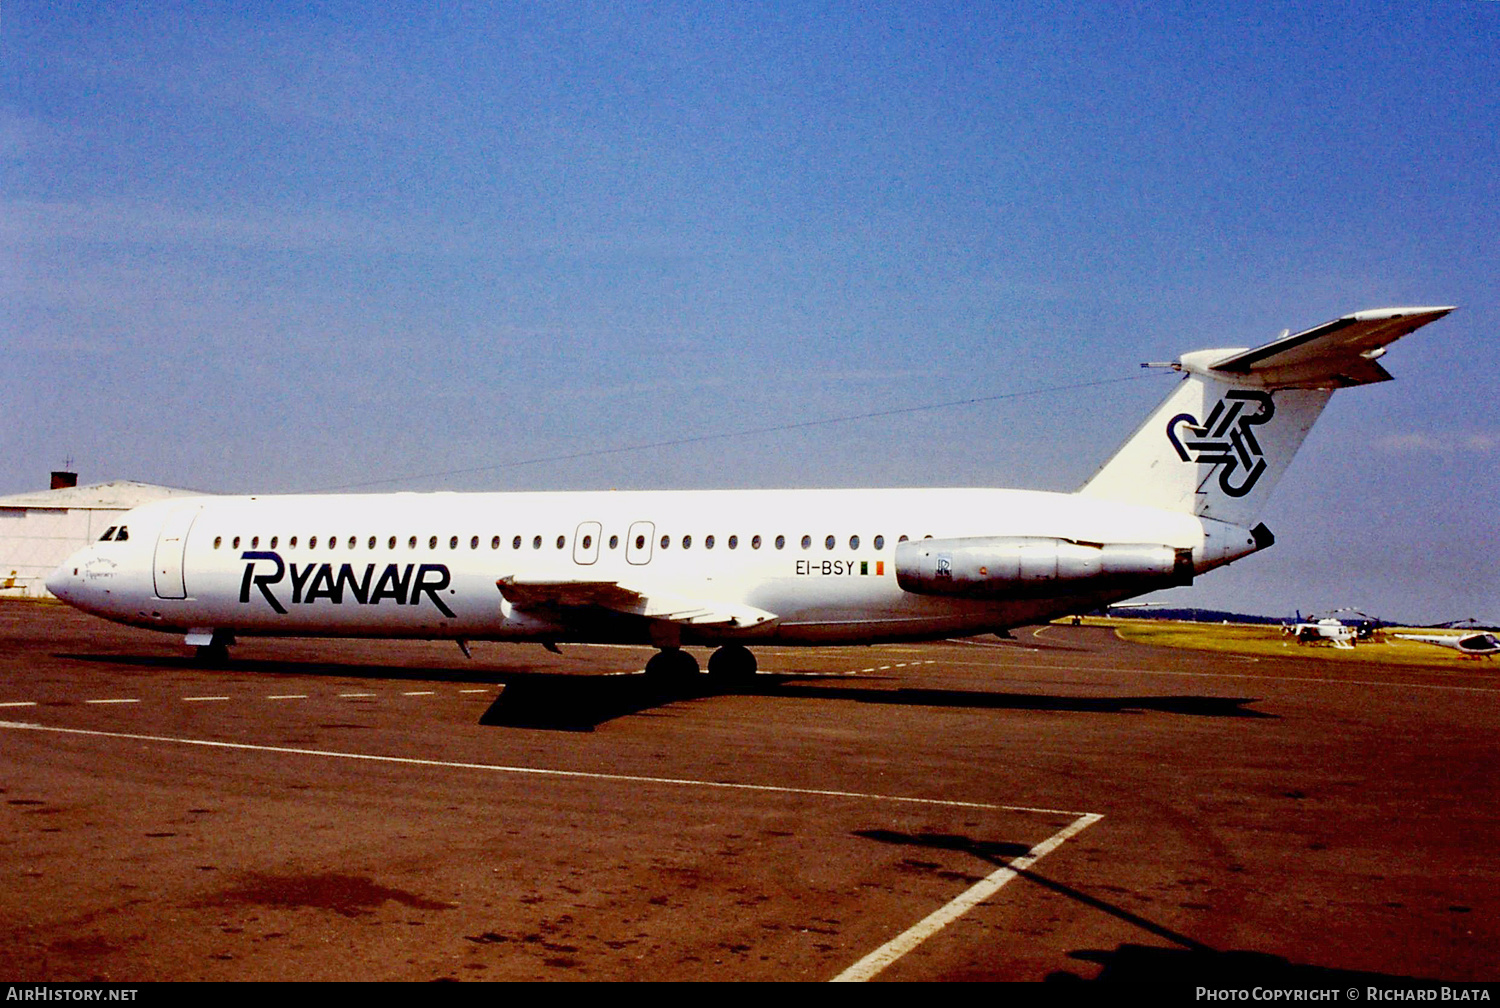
[[39, 530]]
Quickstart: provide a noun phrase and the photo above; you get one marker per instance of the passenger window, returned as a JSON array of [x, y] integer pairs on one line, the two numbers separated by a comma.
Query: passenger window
[[734, 541], [371, 543], [830, 542], [806, 541], [902, 539], [495, 543], [515, 543], [236, 543], [854, 542], [411, 543], [640, 542], [333, 542], [274, 540], [255, 542], [687, 542], [614, 542], [218, 540], [432, 542], [536, 543], [755, 542], [353, 541], [708, 542], [880, 542], [666, 541], [312, 542], [292, 542], [453, 542], [588, 541], [781, 542], [391, 543], [561, 540]]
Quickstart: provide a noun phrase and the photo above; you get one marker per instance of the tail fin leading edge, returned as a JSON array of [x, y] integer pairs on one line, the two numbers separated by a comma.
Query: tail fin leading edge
[[1223, 437]]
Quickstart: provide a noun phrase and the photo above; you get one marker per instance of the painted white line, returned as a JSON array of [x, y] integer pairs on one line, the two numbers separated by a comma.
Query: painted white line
[[872, 964], [542, 771], [288, 696], [19, 703], [473, 691], [420, 693], [195, 699], [111, 701], [356, 694], [1016, 646]]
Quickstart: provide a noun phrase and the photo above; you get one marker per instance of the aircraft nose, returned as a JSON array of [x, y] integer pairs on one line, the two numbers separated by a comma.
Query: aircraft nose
[[61, 579]]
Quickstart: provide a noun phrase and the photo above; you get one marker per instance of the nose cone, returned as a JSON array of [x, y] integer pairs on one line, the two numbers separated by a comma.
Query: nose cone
[[61, 581]]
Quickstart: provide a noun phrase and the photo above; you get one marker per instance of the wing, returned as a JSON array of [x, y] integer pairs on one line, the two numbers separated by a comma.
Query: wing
[[611, 595], [1334, 354]]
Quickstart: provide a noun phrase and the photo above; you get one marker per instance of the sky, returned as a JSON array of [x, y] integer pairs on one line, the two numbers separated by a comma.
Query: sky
[[281, 248]]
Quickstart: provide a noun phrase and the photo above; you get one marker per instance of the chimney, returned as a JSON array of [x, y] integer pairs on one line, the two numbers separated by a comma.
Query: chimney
[[61, 480]]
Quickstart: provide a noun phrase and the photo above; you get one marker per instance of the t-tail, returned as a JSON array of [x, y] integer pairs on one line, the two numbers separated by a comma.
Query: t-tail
[[1223, 437]]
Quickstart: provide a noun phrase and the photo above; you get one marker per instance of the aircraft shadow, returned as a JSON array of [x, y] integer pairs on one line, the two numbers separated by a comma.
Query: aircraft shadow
[[1191, 963], [582, 703]]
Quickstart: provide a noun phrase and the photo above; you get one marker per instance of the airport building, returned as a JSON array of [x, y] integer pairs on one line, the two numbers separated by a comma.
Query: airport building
[[39, 530]]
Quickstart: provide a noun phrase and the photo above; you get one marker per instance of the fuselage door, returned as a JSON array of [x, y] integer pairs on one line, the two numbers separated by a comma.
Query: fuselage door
[[586, 543], [170, 546], [638, 546]]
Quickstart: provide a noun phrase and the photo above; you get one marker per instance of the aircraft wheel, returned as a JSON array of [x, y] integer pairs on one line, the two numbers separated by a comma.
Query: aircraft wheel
[[732, 665], [672, 667]]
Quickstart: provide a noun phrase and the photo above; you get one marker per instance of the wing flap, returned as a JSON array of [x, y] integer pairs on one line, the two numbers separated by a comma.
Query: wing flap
[[1337, 353], [611, 595]]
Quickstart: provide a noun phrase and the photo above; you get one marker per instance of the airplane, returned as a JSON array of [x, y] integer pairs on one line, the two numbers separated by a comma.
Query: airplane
[[1474, 645], [731, 569]]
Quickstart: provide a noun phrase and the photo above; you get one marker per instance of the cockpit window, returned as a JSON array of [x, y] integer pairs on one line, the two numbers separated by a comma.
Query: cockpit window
[[109, 534], [122, 535]]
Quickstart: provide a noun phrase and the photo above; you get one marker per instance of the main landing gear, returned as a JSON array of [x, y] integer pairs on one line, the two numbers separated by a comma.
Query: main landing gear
[[730, 667]]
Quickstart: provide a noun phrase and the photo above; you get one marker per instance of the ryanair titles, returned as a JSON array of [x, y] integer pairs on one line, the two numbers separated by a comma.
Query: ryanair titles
[[403, 584]]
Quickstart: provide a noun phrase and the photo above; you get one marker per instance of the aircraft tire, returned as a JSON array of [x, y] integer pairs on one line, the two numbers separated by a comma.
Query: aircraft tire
[[732, 665], [672, 667]]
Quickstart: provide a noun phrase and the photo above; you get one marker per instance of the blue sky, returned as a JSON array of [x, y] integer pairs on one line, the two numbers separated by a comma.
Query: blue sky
[[279, 249]]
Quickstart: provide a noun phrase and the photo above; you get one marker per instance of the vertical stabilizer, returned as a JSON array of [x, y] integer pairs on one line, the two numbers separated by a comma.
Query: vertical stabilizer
[[1224, 436]]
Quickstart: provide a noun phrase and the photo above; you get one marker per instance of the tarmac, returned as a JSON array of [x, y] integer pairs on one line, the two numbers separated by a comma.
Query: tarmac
[[1065, 806]]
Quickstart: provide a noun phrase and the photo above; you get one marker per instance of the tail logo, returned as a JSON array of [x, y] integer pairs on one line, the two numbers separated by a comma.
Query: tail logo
[[1226, 438]]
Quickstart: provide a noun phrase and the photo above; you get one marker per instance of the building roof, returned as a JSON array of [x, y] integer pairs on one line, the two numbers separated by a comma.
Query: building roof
[[115, 495]]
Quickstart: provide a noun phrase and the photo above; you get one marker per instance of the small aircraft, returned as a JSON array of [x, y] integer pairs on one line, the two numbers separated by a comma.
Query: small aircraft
[[733, 568], [1319, 631], [1474, 645]]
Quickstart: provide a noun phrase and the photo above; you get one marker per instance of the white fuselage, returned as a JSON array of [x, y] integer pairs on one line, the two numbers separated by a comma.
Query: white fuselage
[[427, 565]]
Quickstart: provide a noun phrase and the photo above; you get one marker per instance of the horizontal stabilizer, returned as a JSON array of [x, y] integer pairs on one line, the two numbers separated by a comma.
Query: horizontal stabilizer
[[1335, 354], [611, 595]]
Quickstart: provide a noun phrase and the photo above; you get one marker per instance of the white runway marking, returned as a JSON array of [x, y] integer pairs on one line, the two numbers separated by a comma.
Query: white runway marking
[[420, 693], [538, 771], [20, 703], [872, 964], [288, 696], [196, 699], [111, 701], [356, 694]]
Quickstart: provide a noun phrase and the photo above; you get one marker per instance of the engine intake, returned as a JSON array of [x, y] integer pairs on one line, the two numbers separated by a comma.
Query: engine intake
[[1019, 567]]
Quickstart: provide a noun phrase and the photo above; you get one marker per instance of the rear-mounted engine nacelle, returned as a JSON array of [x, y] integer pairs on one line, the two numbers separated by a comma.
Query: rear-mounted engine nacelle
[[1011, 566]]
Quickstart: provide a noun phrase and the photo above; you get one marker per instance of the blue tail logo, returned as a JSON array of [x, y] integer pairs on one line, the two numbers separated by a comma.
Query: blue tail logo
[[1226, 438]]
